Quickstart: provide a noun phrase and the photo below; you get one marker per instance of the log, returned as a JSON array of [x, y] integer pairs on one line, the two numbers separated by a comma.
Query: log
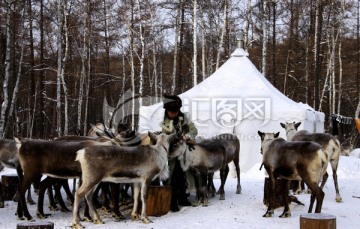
[[10, 184], [35, 225], [279, 200], [158, 200], [317, 221]]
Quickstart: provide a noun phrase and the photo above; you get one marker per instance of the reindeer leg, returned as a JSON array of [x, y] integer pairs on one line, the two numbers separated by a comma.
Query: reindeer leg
[[210, 185], [114, 191], [270, 210], [44, 184], [51, 197], [89, 198], [144, 192], [204, 189], [238, 186], [65, 185], [58, 195], [79, 195], [105, 192], [223, 175], [286, 212], [324, 179], [198, 187], [334, 165], [134, 213], [22, 210]]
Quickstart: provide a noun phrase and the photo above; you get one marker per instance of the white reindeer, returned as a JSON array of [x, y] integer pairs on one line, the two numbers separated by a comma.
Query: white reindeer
[[330, 144]]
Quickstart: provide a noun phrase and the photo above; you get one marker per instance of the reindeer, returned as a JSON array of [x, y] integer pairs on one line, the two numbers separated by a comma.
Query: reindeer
[[293, 161], [232, 147], [207, 157], [9, 157], [138, 165], [56, 159], [330, 144]]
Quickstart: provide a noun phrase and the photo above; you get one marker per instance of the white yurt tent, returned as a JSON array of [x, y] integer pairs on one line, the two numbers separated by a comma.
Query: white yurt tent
[[238, 99]]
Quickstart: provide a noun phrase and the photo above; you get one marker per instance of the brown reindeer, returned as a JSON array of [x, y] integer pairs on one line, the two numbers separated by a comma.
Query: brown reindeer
[[330, 144], [293, 161], [51, 158], [138, 165]]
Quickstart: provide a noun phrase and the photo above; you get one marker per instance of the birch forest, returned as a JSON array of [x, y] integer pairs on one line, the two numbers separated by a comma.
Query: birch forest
[[61, 58]]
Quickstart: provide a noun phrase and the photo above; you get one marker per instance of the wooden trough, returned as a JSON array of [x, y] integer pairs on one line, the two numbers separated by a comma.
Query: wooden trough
[[35, 225], [158, 200], [317, 221]]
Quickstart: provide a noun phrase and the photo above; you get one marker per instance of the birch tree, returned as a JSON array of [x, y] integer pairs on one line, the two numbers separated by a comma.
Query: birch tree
[[142, 56], [264, 36], [195, 42], [10, 5]]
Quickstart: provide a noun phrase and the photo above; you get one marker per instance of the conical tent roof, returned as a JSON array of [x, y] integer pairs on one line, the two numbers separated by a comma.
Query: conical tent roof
[[237, 99]]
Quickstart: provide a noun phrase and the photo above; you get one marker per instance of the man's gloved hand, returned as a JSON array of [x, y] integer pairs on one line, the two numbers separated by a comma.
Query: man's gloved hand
[[190, 143]]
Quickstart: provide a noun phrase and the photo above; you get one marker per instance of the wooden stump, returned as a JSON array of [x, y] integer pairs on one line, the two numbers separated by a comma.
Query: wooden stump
[[279, 200], [317, 221], [35, 225], [10, 184], [158, 200]]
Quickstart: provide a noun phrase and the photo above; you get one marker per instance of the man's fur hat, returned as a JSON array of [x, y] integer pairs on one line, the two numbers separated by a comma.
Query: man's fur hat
[[172, 103]]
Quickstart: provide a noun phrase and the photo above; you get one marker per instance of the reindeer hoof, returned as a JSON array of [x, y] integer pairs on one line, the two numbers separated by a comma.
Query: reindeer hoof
[[135, 217], [53, 208], [285, 215], [42, 216], [146, 220], [118, 217], [98, 221], [222, 197], [77, 226], [268, 214], [87, 219], [338, 199], [31, 202]]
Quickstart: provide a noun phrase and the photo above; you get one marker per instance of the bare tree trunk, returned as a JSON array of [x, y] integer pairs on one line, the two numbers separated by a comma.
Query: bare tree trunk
[[87, 63], [141, 73], [64, 86], [19, 74], [177, 33], [203, 60], [195, 42], [5, 104], [317, 40], [264, 41], [154, 52], [59, 68], [131, 38], [247, 25], [221, 36]]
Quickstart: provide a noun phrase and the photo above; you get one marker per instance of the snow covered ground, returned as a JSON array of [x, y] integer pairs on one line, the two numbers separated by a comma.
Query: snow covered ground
[[243, 210]]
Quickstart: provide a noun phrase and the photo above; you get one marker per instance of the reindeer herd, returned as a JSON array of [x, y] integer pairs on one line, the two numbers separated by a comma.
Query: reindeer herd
[[138, 159]]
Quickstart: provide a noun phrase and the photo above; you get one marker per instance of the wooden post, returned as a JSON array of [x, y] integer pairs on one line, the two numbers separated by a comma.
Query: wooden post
[[317, 221], [158, 200], [10, 184], [35, 225], [2, 204]]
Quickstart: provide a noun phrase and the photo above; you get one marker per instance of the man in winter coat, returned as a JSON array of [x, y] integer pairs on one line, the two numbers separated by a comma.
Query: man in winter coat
[[175, 121]]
